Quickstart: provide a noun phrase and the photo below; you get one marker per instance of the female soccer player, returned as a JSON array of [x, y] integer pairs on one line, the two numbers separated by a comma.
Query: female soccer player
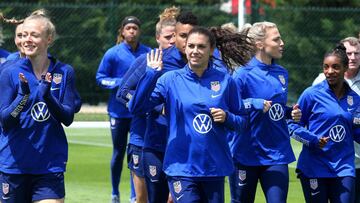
[[150, 130], [326, 163], [202, 107], [37, 98], [113, 66], [263, 151]]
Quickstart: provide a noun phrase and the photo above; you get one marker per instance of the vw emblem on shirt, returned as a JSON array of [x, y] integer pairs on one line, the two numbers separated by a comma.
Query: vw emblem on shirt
[[276, 112], [40, 112], [337, 133], [202, 123]]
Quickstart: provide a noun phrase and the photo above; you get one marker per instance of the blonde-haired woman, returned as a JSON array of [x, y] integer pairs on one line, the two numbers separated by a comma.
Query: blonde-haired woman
[[263, 151], [37, 98]]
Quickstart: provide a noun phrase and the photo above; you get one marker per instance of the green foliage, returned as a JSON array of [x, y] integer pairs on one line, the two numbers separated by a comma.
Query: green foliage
[[86, 31]]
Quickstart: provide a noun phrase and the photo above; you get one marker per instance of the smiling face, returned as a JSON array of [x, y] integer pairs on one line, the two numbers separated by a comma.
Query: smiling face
[[198, 50], [18, 37], [35, 39], [334, 70]]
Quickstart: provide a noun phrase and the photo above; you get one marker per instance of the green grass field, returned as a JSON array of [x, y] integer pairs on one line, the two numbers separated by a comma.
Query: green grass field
[[88, 172]]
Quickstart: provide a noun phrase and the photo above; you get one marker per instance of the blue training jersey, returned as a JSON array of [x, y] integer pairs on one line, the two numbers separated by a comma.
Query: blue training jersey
[[33, 140], [14, 57], [324, 115], [196, 146], [112, 68], [267, 140], [3, 55]]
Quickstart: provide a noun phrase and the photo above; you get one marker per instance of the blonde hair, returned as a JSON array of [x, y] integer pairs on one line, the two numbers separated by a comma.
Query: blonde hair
[[41, 15], [167, 18], [257, 31]]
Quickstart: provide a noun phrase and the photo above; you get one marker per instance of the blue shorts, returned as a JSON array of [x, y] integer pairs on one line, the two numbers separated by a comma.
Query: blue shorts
[[29, 188], [319, 190], [188, 190], [274, 180], [135, 161], [155, 178]]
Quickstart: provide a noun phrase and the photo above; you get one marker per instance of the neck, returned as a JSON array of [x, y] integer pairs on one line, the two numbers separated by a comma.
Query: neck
[[338, 89], [133, 45], [351, 73], [199, 71], [263, 57], [40, 65]]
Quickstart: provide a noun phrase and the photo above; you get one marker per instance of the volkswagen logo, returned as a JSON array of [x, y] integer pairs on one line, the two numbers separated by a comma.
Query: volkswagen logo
[[337, 133], [40, 112], [202, 123], [276, 112]]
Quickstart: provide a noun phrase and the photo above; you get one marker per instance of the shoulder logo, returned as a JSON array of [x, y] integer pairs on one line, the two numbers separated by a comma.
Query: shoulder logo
[[215, 86], [40, 112], [202, 123], [57, 77], [282, 79], [276, 112], [337, 133], [350, 100]]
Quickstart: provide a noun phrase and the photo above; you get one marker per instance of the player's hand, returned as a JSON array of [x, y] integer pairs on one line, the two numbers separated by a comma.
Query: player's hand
[[218, 115], [48, 77], [24, 85], [267, 105], [154, 59], [323, 141], [296, 113]]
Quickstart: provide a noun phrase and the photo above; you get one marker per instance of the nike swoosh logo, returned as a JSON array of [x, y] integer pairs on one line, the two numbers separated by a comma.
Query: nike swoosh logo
[[284, 88], [350, 109], [177, 198], [153, 181], [315, 193], [54, 88], [214, 96], [242, 184], [135, 167], [3, 197]]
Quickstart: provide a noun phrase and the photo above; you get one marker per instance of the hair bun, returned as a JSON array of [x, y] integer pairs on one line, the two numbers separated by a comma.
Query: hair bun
[[340, 47]]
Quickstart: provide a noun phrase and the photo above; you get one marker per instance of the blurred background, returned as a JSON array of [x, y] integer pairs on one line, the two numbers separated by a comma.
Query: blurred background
[[87, 28]]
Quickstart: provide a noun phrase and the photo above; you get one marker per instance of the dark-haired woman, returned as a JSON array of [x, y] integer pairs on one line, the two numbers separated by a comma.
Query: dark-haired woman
[[326, 163], [202, 108], [112, 68]]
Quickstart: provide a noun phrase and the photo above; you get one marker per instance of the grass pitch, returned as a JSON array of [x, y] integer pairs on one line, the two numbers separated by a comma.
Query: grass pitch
[[88, 172]]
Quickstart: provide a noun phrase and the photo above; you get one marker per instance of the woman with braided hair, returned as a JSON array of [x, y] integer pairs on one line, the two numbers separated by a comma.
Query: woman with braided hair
[[202, 109], [3, 53]]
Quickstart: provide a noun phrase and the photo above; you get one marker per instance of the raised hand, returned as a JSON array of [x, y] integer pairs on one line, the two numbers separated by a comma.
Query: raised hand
[[154, 59], [24, 85]]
